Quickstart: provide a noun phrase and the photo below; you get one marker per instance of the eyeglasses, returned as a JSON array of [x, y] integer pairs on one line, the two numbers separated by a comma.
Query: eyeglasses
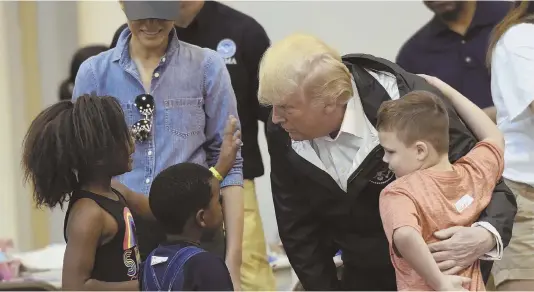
[[146, 106]]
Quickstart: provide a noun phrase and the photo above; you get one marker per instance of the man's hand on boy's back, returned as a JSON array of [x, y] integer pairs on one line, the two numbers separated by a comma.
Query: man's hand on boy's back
[[459, 247], [231, 142]]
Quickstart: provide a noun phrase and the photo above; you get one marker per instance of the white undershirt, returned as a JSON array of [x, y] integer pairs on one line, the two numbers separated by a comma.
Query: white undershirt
[[341, 156]]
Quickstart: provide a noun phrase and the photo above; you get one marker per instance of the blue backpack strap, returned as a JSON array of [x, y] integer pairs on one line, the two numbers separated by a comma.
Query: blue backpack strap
[[174, 272], [150, 281]]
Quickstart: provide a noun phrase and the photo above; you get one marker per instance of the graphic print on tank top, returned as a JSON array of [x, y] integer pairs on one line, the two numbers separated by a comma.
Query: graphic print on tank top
[[131, 255]]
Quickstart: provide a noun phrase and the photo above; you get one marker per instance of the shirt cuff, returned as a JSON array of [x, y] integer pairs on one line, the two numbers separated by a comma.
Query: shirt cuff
[[496, 253], [233, 179]]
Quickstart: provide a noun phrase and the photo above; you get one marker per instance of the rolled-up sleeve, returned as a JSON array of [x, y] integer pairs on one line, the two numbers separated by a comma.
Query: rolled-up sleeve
[[220, 103]]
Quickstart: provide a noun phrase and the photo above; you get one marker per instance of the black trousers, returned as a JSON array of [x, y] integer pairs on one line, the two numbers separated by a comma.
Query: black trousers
[[150, 234]]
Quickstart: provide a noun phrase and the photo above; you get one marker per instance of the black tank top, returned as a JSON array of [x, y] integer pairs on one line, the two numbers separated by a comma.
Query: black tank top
[[118, 260]]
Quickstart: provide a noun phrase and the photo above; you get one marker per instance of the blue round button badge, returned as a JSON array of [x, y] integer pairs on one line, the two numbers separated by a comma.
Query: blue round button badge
[[226, 48]]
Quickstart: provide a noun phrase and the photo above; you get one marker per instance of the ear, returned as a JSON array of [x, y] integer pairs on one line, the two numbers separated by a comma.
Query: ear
[[330, 106], [422, 150], [199, 218]]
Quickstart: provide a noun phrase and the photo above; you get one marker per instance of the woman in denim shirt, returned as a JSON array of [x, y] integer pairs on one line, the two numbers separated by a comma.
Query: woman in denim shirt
[[177, 98]]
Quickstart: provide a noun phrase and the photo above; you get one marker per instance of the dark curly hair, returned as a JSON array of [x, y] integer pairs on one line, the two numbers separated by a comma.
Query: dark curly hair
[[68, 143]]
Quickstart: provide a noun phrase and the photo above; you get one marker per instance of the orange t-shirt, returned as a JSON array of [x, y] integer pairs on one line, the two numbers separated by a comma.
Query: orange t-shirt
[[430, 200]]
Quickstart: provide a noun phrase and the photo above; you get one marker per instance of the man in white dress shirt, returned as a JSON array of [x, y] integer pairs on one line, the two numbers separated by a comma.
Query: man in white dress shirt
[[327, 170]]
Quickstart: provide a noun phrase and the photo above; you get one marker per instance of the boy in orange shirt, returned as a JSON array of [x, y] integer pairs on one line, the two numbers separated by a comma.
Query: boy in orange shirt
[[430, 193]]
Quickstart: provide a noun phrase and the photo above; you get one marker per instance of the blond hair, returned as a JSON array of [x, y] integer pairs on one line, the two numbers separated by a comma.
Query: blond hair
[[303, 65], [419, 115]]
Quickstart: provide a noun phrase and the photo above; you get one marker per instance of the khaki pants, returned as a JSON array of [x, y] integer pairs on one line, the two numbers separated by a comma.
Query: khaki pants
[[256, 273], [518, 259]]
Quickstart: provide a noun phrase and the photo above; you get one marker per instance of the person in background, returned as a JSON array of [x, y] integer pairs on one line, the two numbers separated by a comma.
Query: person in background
[[66, 87], [452, 46], [240, 41], [511, 58], [177, 98]]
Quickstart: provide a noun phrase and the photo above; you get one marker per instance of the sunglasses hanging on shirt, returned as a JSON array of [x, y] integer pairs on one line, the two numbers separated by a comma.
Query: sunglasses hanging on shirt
[[146, 105]]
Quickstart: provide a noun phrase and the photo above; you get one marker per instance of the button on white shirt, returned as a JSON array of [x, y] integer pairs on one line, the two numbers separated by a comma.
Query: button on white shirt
[[337, 155]]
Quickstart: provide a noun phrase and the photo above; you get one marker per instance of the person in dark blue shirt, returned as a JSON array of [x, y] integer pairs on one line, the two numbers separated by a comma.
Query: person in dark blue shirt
[[185, 199], [453, 45]]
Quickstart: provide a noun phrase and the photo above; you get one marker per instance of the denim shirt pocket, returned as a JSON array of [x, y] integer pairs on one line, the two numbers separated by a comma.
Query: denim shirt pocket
[[128, 108], [184, 117]]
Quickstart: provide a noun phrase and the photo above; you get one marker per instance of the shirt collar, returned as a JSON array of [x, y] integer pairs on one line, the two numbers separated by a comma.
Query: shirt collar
[[486, 13], [354, 118], [121, 51]]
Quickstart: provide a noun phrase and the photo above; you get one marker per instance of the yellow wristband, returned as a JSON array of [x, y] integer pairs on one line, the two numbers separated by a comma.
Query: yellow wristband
[[216, 174]]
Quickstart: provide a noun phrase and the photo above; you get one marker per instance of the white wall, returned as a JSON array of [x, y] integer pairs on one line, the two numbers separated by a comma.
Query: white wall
[[97, 21], [58, 40], [374, 27], [7, 200], [15, 211]]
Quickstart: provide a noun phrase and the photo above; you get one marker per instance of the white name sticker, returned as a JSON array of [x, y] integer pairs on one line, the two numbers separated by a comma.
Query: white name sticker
[[463, 203]]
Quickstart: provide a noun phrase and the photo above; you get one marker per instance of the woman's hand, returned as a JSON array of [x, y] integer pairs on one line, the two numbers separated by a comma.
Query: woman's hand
[[230, 145]]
